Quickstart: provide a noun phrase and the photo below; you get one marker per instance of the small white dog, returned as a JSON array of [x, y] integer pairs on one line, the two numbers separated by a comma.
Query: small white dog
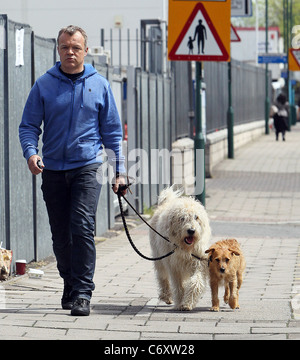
[[184, 221]]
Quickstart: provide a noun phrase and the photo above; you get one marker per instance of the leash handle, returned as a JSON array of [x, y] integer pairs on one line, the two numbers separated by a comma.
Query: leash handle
[[123, 187]]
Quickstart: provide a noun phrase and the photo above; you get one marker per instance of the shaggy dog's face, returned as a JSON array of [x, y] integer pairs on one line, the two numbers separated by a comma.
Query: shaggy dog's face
[[185, 226]]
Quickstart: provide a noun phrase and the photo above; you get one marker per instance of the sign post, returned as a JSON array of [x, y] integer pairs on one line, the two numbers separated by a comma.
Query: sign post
[[199, 142], [199, 31], [230, 116], [267, 100]]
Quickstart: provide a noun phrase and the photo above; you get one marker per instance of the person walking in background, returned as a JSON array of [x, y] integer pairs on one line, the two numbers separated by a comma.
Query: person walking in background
[[281, 116], [79, 116]]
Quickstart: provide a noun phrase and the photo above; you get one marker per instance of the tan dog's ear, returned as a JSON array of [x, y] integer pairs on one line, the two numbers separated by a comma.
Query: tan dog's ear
[[235, 252], [209, 250]]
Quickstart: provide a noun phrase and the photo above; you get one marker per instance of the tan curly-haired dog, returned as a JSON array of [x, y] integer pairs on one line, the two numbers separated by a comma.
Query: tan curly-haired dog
[[183, 220], [226, 264]]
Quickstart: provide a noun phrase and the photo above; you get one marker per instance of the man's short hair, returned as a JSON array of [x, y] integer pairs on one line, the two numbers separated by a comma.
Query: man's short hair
[[71, 30]]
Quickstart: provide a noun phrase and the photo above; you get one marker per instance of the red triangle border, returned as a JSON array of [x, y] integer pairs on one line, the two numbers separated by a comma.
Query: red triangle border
[[236, 34]]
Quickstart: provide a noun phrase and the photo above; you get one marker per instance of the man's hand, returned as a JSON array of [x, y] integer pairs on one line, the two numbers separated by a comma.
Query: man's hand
[[120, 180], [32, 164]]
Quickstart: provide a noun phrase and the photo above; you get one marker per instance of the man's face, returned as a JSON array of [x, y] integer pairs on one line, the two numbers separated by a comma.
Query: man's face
[[72, 51]]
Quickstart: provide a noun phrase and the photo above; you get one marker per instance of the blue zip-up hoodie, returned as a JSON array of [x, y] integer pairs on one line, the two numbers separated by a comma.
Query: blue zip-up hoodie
[[78, 119]]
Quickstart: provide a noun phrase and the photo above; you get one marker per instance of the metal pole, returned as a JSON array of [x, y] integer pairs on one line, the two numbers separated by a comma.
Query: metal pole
[[230, 120], [128, 47], [6, 108], [293, 107], [288, 72], [137, 47], [267, 100], [120, 49], [102, 38], [290, 86], [34, 186], [111, 47], [143, 45], [199, 143]]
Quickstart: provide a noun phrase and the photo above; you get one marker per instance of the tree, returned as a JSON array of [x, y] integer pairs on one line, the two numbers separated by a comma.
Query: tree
[[275, 14]]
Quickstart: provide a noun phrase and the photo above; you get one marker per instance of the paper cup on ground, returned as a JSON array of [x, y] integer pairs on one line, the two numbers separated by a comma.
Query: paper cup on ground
[[20, 267], [35, 273]]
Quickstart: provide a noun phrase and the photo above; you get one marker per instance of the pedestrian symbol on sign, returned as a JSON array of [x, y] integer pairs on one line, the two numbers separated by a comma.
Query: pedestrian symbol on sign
[[190, 45], [201, 34]]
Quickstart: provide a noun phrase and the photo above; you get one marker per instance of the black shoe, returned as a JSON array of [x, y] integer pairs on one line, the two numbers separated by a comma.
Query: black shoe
[[66, 300], [81, 307]]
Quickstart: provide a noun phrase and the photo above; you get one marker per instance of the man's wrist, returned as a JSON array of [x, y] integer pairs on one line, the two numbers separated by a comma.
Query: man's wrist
[[118, 174]]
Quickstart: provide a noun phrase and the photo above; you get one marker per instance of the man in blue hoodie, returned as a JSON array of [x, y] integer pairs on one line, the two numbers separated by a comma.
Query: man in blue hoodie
[[78, 112]]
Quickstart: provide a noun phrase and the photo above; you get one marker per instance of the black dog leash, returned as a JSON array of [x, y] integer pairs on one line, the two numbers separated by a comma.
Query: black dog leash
[[120, 190], [123, 187]]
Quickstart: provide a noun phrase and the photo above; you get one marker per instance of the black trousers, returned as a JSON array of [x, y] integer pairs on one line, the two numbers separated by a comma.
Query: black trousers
[[71, 199]]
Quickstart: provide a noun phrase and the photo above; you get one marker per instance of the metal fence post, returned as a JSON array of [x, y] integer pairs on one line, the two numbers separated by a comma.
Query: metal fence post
[[132, 129], [230, 138], [6, 138], [34, 199], [267, 100]]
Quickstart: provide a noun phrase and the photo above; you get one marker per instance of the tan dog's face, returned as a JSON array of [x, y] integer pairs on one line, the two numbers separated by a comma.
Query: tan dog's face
[[220, 258]]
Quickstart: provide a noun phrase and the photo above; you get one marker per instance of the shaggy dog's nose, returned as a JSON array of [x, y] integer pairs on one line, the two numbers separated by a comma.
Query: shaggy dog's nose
[[191, 231], [222, 270]]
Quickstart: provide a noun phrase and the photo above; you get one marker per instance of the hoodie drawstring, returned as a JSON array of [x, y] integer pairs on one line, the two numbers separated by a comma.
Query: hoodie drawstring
[[82, 93]]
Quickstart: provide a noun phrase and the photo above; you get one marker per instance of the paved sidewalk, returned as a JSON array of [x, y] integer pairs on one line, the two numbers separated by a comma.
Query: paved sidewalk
[[256, 198]]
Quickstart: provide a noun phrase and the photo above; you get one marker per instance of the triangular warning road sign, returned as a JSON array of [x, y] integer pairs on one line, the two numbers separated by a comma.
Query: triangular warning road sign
[[296, 54], [199, 39], [234, 36], [294, 60]]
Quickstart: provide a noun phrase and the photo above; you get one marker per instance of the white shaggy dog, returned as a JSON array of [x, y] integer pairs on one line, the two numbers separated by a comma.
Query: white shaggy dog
[[184, 221]]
